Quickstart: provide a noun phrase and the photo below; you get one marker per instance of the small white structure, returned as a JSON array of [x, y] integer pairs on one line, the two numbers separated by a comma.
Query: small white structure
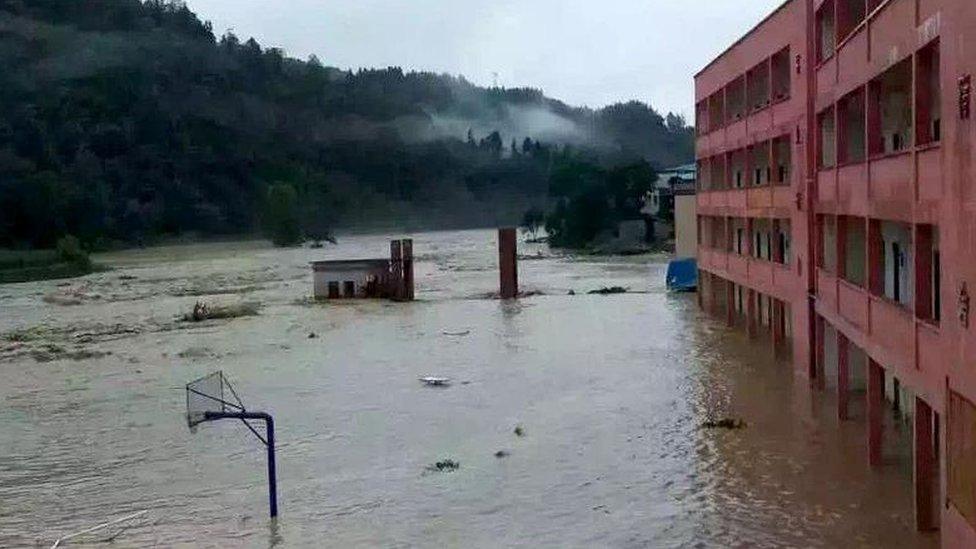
[[350, 278]]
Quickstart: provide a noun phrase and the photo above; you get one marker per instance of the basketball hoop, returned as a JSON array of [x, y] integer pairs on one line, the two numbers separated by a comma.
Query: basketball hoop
[[211, 398]]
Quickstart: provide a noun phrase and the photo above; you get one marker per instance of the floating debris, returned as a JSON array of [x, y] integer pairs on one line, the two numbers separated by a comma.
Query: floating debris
[[312, 335], [445, 466], [519, 431], [203, 311], [457, 334], [571, 292], [502, 454], [432, 381], [609, 291], [725, 423]]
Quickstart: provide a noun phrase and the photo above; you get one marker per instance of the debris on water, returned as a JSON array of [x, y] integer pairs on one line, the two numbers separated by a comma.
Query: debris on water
[[444, 466], [502, 454], [609, 291], [203, 311], [127, 277], [526, 257], [432, 381], [571, 292], [312, 335], [519, 431], [457, 334], [724, 423]]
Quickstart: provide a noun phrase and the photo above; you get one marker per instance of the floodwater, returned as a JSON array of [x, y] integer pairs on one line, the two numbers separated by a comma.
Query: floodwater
[[609, 390]]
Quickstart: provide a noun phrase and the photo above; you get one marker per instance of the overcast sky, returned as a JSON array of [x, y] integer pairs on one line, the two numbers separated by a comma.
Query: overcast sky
[[584, 52]]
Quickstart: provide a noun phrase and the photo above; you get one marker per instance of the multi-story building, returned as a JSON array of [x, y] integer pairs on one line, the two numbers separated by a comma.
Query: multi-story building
[[837, 192]]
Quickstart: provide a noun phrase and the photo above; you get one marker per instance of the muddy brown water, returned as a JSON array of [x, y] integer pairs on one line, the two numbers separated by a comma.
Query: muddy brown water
[[610, 391]]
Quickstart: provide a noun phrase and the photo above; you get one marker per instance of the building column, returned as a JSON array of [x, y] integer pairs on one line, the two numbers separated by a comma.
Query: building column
[[702, 288], [730, 303], [924, 468], [752, 320], [508, 263], [875, 414], [779, 328], [875, 253], [843, 375], [820, 341]]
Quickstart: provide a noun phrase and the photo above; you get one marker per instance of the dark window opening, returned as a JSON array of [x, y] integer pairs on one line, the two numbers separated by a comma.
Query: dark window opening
[[349, 288], [826, 32], [890, 110], [928, 95], [333, 290]]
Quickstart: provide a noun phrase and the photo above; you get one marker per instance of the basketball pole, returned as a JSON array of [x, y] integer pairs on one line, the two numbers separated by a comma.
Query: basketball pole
[[269, 442]]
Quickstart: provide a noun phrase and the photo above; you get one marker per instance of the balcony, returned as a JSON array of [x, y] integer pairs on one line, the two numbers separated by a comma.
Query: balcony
[[852, 304], [891, 187], [893, 329]]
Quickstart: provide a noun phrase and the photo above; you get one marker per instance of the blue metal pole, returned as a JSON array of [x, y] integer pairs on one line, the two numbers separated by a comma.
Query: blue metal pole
[[269, 424]]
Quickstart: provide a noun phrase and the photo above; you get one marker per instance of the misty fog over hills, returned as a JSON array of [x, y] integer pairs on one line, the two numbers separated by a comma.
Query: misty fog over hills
[[125, 121]]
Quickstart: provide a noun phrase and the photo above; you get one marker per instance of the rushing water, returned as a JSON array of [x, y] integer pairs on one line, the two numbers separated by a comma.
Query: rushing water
[[610, 391]]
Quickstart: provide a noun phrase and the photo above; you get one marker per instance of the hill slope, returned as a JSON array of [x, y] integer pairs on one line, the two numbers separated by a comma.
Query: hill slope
[[127, 120]]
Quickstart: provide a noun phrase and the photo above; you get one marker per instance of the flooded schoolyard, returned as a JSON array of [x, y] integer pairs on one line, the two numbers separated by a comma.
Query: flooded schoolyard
[[610, 392]]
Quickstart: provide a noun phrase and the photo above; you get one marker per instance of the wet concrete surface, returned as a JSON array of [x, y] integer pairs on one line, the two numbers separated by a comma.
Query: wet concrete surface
[[610, 392]]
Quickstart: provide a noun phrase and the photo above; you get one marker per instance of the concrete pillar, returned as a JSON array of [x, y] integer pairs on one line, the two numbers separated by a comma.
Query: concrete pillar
[[924, 468], [730, 304], [752, 314], [406, 246], [395, 288], [843, 375], [778, 327], [820, 357], [875, 251], [508, 263], [875, 405]]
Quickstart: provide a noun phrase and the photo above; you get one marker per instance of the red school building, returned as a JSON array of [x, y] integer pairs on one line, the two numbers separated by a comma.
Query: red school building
[[835, 149]]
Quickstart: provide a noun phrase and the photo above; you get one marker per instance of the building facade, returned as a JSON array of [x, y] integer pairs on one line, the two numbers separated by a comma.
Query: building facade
[[835, 149]]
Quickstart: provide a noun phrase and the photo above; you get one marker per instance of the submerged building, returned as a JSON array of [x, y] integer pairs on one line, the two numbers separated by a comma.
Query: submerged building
[[836, 197], [367, 278]]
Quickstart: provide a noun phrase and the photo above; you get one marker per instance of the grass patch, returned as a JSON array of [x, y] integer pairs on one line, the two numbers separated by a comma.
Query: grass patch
[[67, 261]]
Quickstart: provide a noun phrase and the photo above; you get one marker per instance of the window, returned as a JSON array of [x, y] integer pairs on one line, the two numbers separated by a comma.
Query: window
[[349, 288], [851, 231], [735, 100], [890, 108], [828, 243], [782, 158], [757, 86], [737, 161], [333, 289], [759, 161], [852, 117], [826, 33], [928, 95], [716, 110], [850, 14], [827, 137], [928, 274], [781, 74]]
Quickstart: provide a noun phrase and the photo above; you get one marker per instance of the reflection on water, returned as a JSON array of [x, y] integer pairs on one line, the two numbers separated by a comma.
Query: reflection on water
[[611, 391]]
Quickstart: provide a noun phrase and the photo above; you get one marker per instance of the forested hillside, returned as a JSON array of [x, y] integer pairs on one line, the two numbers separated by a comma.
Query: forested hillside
[[124, 121]]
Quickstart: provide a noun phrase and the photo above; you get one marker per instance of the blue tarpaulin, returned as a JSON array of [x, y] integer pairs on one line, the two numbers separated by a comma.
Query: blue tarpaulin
[[683, 275]]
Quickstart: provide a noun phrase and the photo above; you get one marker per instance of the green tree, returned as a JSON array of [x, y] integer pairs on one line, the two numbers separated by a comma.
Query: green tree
[[283, 223]]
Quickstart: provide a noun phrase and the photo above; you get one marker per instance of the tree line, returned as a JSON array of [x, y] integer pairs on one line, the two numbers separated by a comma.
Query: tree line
[[124, 121]]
